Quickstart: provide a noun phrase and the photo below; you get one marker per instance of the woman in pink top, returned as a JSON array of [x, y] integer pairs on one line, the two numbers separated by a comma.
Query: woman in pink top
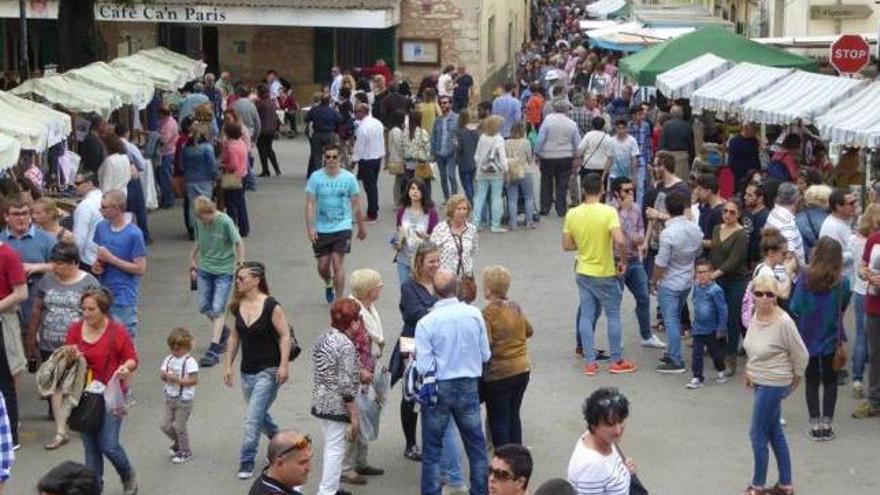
[[168, 130], [234, 160]]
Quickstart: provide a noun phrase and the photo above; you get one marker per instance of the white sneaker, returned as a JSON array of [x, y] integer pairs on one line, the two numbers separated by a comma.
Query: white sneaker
[[694, 384], [653, 343], [182, 458], [858, 390], [782, 421], [721, 377]]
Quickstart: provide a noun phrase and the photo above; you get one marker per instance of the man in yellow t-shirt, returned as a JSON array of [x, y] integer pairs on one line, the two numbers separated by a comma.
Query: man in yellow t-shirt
[[592, 229]]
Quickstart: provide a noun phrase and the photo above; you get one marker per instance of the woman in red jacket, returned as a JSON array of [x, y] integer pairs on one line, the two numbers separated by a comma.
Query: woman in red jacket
[[108, 351]]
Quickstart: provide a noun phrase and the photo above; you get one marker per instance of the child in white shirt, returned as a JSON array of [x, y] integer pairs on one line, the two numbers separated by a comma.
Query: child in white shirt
[[179, 372]]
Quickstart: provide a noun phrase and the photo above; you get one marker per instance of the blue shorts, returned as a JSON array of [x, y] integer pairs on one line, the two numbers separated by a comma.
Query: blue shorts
[[213, 293]]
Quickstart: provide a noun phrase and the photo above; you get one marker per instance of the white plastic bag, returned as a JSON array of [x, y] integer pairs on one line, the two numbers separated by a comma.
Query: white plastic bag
[[114, 397], [369, 411]]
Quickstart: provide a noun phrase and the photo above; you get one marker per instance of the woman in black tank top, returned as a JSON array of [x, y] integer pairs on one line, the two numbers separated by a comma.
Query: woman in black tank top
[[261, 330]]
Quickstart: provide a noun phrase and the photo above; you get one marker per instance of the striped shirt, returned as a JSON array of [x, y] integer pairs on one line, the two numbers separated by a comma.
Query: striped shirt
[[6, 453], [591, 473]]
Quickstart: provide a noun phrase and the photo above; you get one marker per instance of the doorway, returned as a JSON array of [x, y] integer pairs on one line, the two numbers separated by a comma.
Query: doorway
[[195, 41]]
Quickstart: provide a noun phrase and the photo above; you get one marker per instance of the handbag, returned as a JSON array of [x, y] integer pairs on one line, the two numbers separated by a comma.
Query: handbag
[[396, 168], [295, 349], [838, 362], [178, 185], [635, 484], [88, 415], [229, 180], [425, 170]]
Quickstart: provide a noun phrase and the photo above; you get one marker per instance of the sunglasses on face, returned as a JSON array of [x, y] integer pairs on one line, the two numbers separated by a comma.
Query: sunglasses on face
[[627, 190], [761, 293], [331, 157], [500, 474]]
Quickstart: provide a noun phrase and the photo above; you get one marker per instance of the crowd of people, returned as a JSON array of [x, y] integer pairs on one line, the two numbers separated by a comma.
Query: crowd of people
[[752, 246]]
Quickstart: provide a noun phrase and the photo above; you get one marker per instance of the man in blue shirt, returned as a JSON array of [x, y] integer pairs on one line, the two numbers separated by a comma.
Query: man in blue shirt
[[452, 344], [332, 194], [508, 108], [33, 245], [122, 259], [442, 146], [324, 119]]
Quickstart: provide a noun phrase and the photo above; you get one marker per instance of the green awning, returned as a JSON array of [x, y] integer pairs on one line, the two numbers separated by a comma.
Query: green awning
[[647, 64]]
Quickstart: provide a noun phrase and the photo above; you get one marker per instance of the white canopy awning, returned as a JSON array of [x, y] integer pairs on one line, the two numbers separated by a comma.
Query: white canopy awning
[[590, 24], [855, 121], [35, 126], [72, 94], [131, 89], [10, 148], [192, 67], [603, 8], [800, 96], [682, 81], [727, 92], [162, 76]]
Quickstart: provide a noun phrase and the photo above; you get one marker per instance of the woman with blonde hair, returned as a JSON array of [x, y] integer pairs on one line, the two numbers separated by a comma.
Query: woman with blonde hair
[[507, 374], [456, 238], [868, 224], [522, 169], [809, 220], [491, 161], [46, 215], [429, 110], [776, 362]]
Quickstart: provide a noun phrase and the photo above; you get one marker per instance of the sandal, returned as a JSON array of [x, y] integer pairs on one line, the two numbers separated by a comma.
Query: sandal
[[413, 453], [751, 490], [778, 490], [58, 441]]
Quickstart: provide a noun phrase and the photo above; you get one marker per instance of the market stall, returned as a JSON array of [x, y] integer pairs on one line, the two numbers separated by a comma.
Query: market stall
[[645, 66], [72, 94], [10, 149], [726, 93], [161, 76], [633, 37], [605, 9], [855, 121], [130, 89], [802, 96], [682, 81], [194, 68], [35, 126]]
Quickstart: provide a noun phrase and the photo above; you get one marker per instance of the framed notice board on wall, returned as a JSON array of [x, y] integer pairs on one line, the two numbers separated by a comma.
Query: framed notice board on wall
[[419, 51]]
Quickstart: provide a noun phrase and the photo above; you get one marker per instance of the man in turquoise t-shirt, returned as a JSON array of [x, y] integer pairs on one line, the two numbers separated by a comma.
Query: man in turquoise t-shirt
[[213, 259], [331, 195]]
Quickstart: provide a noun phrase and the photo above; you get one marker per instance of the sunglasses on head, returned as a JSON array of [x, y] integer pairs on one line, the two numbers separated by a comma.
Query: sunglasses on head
[[500, 474], [300, 444], [762, 293]]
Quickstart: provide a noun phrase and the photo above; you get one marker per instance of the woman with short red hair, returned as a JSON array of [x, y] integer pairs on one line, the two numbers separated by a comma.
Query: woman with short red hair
[[336, 382]]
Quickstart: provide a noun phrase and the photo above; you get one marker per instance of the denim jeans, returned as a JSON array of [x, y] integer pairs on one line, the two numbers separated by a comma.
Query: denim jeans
[[259, 390], [236, 208], [765, 429], [526, 187], [195, 189], [105, 442], [457, 400], [213, 293], [597, 293], [492, 189], [166, 194], [467, 182], [860, 346], [636, 280], [450, 462], [404, 272], [734, 290], [128, 316], [446, 166], [671, 302]]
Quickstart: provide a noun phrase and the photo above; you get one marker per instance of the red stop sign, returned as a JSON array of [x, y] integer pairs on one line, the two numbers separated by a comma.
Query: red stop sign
[[850, 53]]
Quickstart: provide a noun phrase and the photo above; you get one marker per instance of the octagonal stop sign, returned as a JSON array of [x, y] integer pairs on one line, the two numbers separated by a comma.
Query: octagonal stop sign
[[850, 53]]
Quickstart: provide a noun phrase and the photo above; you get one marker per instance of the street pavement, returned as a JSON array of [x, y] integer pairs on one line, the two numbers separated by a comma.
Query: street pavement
[[684, 442]]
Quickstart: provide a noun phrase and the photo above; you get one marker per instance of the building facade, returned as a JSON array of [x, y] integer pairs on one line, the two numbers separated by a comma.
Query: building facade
[[790, 18], [301, 39]]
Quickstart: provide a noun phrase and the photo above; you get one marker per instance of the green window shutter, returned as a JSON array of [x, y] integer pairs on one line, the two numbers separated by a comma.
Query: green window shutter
[[324, 54], [49, 42]]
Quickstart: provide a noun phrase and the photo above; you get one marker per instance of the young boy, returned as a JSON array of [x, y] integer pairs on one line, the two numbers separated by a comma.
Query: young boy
[[179, 372], [709, 323]]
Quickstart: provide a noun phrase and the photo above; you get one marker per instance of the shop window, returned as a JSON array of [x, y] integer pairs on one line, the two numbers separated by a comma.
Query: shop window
[[350, 48], [490, 41]]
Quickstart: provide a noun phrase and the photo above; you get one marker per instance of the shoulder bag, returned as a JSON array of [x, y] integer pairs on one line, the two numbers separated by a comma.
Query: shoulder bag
[[635, 484], [583, 171], [838, 362], [295, 349], [88, 415]]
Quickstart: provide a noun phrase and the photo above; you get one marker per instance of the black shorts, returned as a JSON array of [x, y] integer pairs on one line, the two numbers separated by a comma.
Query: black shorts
[[332, 242]]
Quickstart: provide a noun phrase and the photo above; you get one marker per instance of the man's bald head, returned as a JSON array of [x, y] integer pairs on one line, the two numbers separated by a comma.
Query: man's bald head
[[445, 283], [283, 441]]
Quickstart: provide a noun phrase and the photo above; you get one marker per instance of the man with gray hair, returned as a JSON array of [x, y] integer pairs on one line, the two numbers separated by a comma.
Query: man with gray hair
[[290, 460], [452, 345], [781, 217], [557, 146]]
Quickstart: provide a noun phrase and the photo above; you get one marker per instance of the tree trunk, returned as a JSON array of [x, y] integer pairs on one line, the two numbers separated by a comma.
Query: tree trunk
[[79, 43]]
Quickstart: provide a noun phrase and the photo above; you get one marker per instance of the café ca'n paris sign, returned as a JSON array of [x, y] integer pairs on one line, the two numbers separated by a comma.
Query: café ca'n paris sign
[[161, 13]]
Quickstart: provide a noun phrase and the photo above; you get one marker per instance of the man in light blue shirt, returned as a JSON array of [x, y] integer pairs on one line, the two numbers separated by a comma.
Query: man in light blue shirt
[[508, 108], [33, 244], [452, 343]]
